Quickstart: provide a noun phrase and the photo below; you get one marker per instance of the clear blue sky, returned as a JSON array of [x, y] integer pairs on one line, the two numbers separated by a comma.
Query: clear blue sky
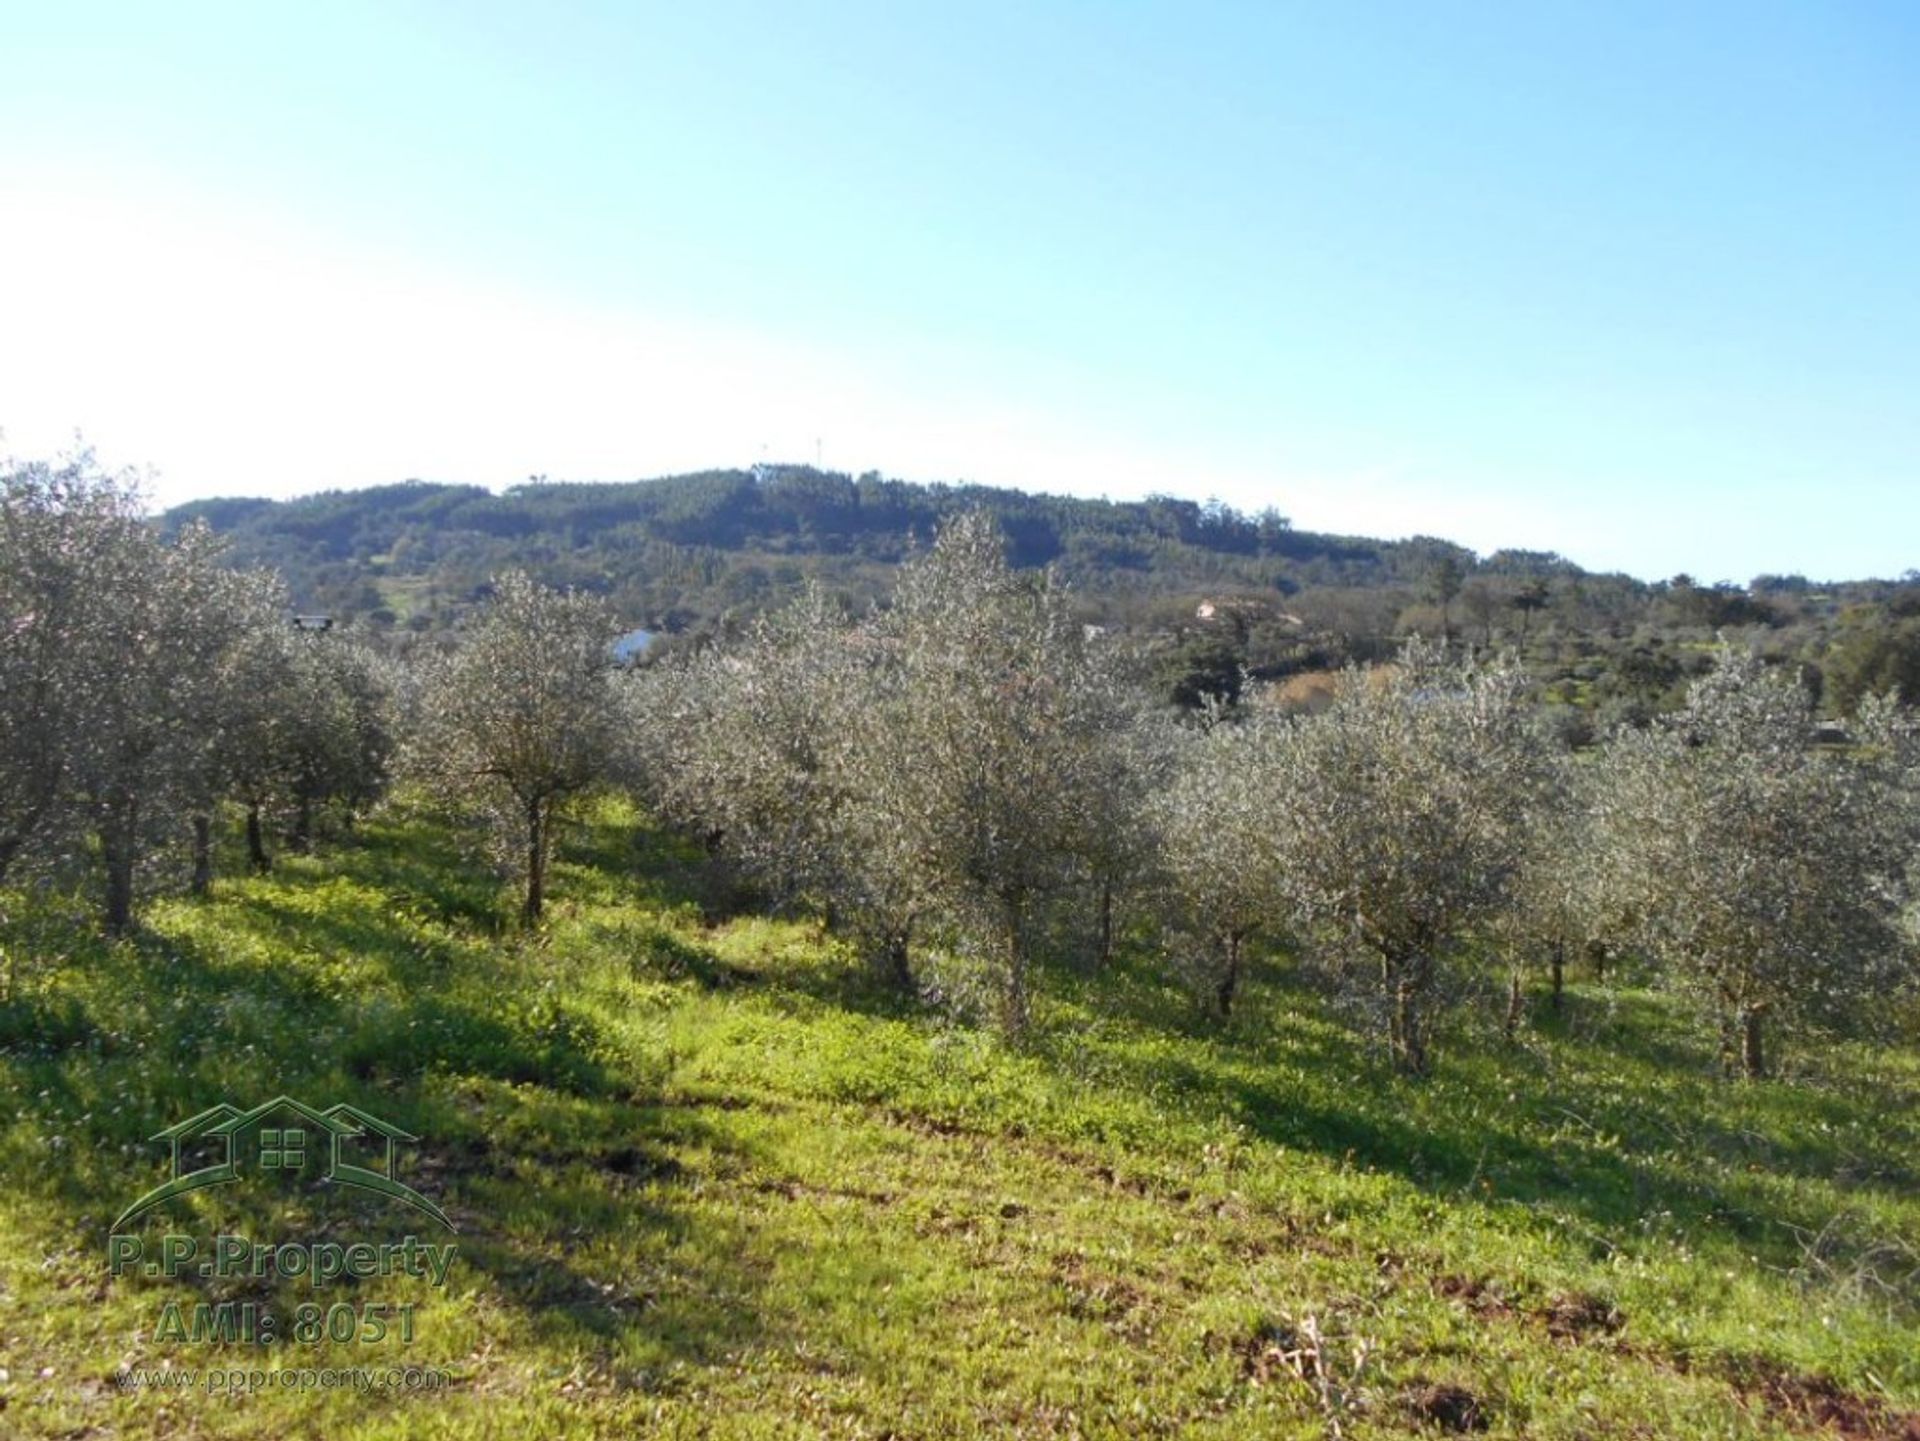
[[1636, 282]]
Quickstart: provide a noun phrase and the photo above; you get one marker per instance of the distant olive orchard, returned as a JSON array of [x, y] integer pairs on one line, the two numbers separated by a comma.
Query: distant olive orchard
[[970, 780]]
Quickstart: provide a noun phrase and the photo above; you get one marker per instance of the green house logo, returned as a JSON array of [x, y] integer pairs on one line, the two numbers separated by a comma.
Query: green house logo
[[287, 1138]]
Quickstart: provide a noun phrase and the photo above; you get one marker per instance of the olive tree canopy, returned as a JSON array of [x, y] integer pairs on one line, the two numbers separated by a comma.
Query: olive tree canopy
[[1217, 852], [1763, 874], [62, 528], [990, 758], [1400, 822], [520, 715]]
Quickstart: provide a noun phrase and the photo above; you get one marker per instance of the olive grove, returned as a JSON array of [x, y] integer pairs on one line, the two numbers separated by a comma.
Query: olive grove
[[975, 786]]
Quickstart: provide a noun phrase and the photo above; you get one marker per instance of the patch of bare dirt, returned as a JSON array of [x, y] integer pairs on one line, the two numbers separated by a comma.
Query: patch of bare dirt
[[1820, 1402], [795, 1190], [1579, 1316], [1095, 1295], [1479, 1295], [1447, 1407]]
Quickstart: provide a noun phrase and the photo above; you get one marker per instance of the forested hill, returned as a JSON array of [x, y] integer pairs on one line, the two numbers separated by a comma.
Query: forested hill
[[701, 544], [1216, 593]]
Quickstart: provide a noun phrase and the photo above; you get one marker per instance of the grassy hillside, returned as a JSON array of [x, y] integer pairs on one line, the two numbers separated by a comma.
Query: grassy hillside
[[708, 1182]]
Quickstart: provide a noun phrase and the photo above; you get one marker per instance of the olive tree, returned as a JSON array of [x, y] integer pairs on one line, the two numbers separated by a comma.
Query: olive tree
[[768, 752], [1130, 759], [1399, 822], [747, 741], [116, 661], [1554, 905], [667, 710], [305, 721], [1216, 843], [242, 754], [153, 698], [62, 528], [520, 715], [984, 761], [1763, 875], [883, 893], [339, 737]]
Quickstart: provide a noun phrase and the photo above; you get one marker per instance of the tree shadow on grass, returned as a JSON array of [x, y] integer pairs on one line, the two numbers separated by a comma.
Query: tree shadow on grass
[[656, 867], [1608, 1118], [418, 865], [1583, 1127], [586, 1226], [549, 1147], [578, 1218], [364, 930]]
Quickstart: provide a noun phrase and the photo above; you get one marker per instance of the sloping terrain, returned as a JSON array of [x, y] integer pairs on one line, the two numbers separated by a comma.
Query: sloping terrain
[[709, 1180]]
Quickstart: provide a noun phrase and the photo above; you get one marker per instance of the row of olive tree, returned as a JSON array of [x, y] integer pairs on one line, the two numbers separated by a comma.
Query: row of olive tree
[[972, 772], [1766, 876], [956, 769], [143, 682], [1384, 835], [1424, 825], [967, 768]]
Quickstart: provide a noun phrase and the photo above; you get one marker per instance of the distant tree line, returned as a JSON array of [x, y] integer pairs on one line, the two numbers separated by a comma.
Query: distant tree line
[[1209, 592], [700, 550]]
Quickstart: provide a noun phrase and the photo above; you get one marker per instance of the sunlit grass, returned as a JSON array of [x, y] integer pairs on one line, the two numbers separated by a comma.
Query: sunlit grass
[[712, 1179]]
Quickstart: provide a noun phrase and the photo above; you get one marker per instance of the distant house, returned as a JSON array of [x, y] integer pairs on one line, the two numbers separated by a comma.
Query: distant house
[[313, 622], [1242, 610], [631, 646]]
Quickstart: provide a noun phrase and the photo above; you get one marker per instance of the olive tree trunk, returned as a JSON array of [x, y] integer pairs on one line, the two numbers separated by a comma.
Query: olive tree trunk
[[303, 822], [258, 861], [536, 861], [1106, 923], [1753, 1059], [202, 854], [116, 830], [896, 959], [1015, 1008], [1407, 1028], [1229, 986]]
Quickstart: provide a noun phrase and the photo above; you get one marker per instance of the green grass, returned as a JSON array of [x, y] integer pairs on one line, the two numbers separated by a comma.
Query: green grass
[[711, 1181]]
